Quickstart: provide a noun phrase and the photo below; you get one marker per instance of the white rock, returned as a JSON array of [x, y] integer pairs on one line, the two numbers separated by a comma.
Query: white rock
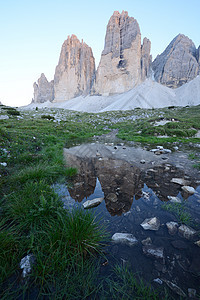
[[175, 288], [155, 252], [153, 150], [180, 181], [158, 280], [124, 238], [187, 232], [197, 243], [4, 164], [4, 117], [160, 147], [145, 195], [151, 224], [172, 227], [92, 203], [174, 199], [188, 189], [167, 150], [26, 264]]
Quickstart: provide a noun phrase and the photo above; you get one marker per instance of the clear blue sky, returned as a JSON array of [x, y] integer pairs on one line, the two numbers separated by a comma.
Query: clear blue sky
[[32, 33]]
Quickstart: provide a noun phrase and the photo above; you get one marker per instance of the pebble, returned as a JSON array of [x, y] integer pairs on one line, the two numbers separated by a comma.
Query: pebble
[[188, 189], [151, 224], [124, 238], [158, 280], [92, 203]]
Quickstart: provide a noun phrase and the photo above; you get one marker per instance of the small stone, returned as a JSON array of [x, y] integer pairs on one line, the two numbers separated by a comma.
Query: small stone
[[197, 243], [155, 252], [174, 199], [178, 244], [192, 293], [180, 181], [147, 241], [124, 238], [158, 280], [112, 197], [176, 289], [26, 264], [167, 151], [188, 189], [160, 147], [187, 232], [151, 224], [142, 161], [138, 209], [153, 150], [172, 227], [92, 203], [4, 164]]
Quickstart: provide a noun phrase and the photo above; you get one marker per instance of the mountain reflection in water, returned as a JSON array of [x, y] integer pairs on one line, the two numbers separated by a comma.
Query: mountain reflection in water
[[119, 180]]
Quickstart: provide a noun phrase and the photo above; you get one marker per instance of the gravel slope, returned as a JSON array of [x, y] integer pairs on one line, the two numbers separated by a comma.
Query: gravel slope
[[148, 94]]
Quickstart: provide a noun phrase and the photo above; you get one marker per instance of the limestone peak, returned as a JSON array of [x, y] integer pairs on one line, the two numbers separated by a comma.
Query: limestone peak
[[75, 71], [178, 63]]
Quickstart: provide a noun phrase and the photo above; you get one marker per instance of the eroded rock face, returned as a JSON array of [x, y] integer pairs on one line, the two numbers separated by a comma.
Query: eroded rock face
[[124, 62], [75, 71], [43, 90], [178, 64]]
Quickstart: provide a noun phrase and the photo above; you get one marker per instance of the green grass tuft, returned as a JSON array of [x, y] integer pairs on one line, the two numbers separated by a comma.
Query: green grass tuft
[[179, 210]]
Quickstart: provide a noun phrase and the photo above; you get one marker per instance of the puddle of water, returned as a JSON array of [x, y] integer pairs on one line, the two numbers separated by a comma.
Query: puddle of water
[[133, 192]]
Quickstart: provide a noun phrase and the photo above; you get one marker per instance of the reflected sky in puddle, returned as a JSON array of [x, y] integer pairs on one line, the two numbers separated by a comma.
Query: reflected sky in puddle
[[132, 194]]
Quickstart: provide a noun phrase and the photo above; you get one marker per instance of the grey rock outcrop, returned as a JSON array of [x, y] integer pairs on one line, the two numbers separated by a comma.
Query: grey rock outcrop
[[75, 71], [178, 64], [124, 62], [43, 90]]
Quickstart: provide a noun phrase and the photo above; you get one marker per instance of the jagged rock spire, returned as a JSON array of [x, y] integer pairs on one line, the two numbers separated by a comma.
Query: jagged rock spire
[[124, 62], [75, 71], [43, 90]]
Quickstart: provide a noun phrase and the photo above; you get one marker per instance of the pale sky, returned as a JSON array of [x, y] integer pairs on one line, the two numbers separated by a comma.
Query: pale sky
[[32, 33]]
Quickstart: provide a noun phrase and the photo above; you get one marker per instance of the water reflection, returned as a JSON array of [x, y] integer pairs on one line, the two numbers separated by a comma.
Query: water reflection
[[121, 181]]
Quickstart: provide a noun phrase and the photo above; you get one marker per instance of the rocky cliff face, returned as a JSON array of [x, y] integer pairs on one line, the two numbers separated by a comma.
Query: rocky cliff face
[[43, 90], [178, 64], [124, 62], [75, 71]]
